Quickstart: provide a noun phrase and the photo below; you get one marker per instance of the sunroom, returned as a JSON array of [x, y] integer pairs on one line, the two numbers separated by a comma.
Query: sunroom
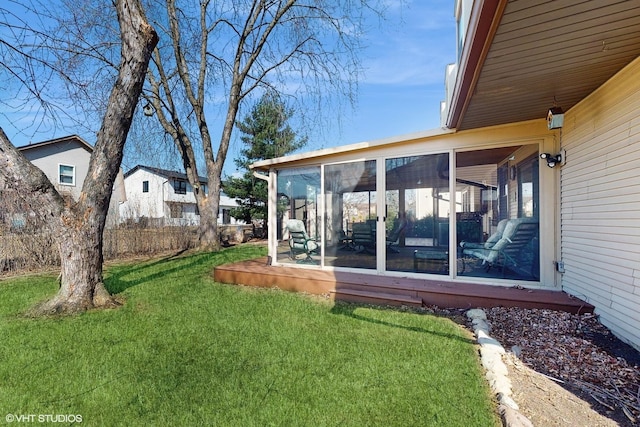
[[473, 206]]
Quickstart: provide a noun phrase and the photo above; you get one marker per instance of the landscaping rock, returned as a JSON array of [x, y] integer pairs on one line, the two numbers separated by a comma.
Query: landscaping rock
[[513, 418], [497, 374]]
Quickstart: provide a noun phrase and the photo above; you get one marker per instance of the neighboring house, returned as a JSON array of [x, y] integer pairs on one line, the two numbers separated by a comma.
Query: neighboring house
[[558, 201], [165, 197], [65, 161]]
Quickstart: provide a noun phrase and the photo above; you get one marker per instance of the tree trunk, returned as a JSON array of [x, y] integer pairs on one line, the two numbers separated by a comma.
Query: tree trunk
[[208, 237], [81, 284], [80, 224]]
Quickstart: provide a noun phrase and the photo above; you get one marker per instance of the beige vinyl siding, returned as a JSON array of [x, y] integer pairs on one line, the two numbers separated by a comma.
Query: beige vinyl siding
[[600, 202]]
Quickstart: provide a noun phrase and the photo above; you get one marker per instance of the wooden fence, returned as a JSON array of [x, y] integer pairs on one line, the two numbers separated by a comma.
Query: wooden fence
[[34, 251]]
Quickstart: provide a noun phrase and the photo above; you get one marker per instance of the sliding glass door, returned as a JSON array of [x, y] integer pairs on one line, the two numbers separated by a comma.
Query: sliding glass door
[[298, 215], [350, 214], [417, 214], [408, 230]]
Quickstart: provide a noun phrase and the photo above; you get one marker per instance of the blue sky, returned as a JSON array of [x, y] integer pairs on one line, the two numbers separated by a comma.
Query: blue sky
[[405, 68], [399, 93]]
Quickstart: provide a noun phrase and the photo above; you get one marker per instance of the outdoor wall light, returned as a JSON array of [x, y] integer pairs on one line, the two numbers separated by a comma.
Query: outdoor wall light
[[555, 118], [552, 160], [147, 110]]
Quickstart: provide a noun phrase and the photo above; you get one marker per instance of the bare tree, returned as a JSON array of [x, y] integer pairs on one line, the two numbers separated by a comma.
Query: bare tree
[[302, 49], [79, 224]]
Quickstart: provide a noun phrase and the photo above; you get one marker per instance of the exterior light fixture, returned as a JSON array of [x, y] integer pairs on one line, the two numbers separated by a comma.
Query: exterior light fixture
[[147, 110], [555, 118], [552, 160]]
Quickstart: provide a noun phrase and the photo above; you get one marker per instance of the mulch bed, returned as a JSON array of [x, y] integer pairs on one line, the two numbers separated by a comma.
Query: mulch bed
[[576, 351]]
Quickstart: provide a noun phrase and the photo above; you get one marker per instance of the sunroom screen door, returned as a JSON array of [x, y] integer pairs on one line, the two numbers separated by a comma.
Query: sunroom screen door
[[417, 214], [350, 214]]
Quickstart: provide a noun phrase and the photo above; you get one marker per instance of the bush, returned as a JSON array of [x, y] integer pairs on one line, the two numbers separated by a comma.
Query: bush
[[422, 227]]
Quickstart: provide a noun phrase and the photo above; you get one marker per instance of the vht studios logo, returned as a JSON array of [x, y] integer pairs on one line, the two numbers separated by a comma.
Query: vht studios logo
[[43, 418]]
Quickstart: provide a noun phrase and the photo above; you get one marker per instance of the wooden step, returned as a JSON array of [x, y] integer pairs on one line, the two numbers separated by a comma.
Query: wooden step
[[355, 295]]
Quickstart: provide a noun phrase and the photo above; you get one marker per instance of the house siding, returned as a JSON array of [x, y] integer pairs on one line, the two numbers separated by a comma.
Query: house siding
[[158, 201], [72, 151], [48, 158], [150, 204], [600, 202]]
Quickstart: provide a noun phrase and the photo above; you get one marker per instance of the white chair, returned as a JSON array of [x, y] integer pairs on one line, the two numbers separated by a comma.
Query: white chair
[[490, 242], [507, 251]]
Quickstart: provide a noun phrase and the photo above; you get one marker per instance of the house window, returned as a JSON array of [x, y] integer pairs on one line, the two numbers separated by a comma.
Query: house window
[[180, 187], [66, 175], [226, 216], [145, 186]]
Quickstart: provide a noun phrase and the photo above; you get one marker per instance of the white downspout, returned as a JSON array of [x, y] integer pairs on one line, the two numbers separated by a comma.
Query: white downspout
[[271, 218]]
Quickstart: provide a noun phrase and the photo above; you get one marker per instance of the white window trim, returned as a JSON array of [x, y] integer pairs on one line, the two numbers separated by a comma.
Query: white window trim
[[73, 176]]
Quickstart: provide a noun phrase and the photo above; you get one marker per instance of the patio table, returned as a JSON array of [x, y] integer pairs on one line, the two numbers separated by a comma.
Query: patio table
[[434, 261]]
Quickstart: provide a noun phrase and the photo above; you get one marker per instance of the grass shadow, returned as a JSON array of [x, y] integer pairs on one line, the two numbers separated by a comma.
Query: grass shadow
[[116, 280], [349, 310]]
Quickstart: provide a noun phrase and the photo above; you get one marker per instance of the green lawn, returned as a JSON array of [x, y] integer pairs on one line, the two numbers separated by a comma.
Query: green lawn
[[185, 350]]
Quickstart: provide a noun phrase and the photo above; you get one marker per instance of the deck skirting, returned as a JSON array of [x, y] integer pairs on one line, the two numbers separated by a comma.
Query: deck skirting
[[385, 290]]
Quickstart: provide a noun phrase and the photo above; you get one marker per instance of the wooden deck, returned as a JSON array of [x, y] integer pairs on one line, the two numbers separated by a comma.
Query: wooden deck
[[385, 290]]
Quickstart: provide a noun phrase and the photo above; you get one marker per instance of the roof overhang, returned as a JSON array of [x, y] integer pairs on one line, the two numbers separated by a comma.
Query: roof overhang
[[65, 139], [522, 57], [164, 173], [319, 155]]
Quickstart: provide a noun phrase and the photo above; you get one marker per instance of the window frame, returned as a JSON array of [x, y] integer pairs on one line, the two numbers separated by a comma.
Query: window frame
[[180, 186], [72, 175]]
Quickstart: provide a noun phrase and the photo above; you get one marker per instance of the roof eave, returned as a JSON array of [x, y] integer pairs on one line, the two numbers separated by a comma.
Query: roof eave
[[483, 23], [82, 142], [265, 165], [164, 173]]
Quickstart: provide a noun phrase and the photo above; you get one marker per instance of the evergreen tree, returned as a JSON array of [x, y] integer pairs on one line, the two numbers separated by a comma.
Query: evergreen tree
[[265, 135]]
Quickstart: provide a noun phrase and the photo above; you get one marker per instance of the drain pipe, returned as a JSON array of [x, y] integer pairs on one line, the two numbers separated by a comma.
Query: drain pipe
[[261, 176], [264, 178]]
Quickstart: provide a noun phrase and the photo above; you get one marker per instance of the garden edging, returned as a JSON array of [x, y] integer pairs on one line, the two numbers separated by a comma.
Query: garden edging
[[491, 353]]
